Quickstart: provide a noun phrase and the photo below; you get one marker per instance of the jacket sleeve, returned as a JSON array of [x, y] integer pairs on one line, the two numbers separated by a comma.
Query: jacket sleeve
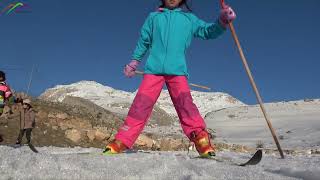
[[145, 39], [33, 118], [205, 30]]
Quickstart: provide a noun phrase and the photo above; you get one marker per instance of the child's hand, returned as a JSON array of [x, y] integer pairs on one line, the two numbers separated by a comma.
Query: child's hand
[[227, 15], [129, 69]]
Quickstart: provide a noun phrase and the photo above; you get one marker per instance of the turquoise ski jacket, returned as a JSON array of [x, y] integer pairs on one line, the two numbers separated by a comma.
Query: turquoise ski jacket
[[168, 34]]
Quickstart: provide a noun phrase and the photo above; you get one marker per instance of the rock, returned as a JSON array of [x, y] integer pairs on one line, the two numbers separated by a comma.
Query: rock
[[76, 123], [315, 151], [59, 121], [42, 115], [6, 112], [51, 115], [169, 144], [144, 140], [53, 122], [85, 125], [64, 125], [177, 144], [62, 116], [91, 135], [80, 123], [308, 100], [164, 144], [100, 135], [74, 135]]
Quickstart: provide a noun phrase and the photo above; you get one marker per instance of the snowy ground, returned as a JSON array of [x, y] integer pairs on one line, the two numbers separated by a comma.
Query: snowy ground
[[64, 163], [297, 125]]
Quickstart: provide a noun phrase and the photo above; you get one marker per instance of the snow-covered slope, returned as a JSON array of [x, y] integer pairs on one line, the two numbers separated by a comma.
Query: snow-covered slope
[[117, 100], [297, 124], [205, 101]]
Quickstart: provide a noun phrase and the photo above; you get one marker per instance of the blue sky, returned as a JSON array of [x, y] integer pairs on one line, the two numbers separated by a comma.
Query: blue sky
[[72, 40]]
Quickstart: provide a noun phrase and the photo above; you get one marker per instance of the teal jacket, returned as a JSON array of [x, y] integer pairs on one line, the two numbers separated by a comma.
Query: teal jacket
[[168, 35]]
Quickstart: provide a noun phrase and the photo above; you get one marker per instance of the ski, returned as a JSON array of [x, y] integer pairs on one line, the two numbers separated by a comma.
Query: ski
[[254, 160], [32, 148], [16, 146], [102, 154]]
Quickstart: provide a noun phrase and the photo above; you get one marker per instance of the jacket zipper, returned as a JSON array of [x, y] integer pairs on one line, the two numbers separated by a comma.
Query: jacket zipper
[[168, 35]]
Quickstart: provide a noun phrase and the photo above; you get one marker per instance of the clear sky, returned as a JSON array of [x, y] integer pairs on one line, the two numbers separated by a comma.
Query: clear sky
[[71, 40]]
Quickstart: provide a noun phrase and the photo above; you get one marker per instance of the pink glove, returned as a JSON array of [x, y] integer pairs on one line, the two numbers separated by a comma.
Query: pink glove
[[129, 69], [227, 15], [8, 94]]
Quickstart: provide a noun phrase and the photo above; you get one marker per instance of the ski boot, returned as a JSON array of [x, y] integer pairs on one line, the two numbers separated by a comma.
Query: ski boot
[[115, 147], [203, 144]]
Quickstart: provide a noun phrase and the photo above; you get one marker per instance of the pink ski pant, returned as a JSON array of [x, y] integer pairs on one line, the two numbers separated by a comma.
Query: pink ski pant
[[147, 96]]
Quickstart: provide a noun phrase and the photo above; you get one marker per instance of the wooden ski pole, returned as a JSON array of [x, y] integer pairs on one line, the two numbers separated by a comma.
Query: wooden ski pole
[[191, 84], [253, 84]]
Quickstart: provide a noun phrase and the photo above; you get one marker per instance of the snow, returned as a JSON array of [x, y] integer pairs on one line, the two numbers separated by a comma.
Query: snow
[[296, 123], [115, 100], [64, 163]]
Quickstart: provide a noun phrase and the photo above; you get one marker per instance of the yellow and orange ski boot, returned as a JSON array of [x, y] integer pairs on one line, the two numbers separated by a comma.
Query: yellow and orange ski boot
[[115, 147], [203, 144]]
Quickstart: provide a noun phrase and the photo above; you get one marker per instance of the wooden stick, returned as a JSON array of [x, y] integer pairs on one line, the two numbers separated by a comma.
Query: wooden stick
[[254, 86], [191, 84], [139, 72], [199, 86]]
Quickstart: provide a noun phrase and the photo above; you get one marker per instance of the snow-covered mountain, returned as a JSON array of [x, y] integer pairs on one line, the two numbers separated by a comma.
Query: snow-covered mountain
[[119, 101]]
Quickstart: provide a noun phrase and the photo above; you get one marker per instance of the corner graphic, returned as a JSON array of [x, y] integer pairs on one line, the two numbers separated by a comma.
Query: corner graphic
[[18, 7]]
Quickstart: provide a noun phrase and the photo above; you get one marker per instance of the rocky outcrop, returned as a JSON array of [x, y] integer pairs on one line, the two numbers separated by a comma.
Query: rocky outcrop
[[145, 141], [79, 122], [73, 135], [91, 134], [101, 134]]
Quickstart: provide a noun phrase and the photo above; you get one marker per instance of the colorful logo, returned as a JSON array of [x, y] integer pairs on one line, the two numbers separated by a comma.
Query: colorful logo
[[16, 7]]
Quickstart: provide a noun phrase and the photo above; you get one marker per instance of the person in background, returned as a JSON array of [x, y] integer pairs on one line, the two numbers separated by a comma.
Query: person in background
[[27, 121], [6, 96]]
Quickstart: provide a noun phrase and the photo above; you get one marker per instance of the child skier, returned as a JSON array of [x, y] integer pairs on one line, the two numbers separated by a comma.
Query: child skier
[[168, 33]]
